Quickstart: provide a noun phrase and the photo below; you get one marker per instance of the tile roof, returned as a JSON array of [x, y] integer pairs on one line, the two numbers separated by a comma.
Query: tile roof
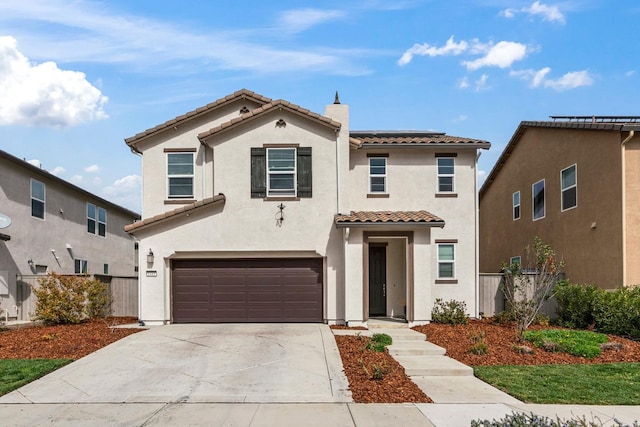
[[241, 94], [277, 104], [190, 208], [388, 218], [374, 139]]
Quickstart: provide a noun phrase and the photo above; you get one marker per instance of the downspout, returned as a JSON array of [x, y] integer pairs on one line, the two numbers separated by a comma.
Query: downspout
[[346, 258], [624, 208], [477, 238], [204, 170], [338, 207]]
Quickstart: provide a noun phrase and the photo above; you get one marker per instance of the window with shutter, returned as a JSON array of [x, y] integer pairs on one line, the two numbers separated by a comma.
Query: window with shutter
[[281, 172]]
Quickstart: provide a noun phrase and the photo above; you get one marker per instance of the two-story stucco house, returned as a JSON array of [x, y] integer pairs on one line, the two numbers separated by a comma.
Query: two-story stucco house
[[258, 210], [50, 225], [575, 183]]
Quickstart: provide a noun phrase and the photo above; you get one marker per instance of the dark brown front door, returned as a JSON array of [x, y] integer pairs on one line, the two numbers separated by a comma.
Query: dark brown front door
[[247, 290], [377, 280]]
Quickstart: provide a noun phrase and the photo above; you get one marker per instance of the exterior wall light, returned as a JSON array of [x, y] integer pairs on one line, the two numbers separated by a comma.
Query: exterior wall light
[[150, 257]]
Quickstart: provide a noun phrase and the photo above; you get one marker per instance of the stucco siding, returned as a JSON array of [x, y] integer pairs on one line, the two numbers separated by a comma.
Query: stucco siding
[[632, 212]]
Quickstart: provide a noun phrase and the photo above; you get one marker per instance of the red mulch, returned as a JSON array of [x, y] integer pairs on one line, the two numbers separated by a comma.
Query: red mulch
[[500, 339], [64, 341], [395, 387]]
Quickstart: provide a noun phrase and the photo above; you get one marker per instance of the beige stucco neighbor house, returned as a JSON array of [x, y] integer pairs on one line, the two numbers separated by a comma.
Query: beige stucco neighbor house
[[575, 183], [258, 210], [50, 225]]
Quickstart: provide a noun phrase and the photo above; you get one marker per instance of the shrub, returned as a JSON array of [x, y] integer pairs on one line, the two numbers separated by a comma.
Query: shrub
[[524, 420], [382, 339], [378, 342], [449, 312], [618, 312], [578, 343], [375, 371], [505, 317], [478, 346], [575, 304], [70, 299]]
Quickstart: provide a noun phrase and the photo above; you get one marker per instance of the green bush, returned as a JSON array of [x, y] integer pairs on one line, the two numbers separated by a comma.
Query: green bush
[[575, 304], [525, 420], [70, 299], [449, 312], [618, 312], [578, 343], [382, 339]]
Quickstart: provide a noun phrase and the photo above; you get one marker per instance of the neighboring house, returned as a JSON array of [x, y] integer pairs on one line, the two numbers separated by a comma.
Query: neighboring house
[[575, 183], [54, 226], [258, 210]]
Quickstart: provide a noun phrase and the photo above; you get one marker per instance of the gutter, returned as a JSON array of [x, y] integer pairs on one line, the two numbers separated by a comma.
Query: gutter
[[390, 224]]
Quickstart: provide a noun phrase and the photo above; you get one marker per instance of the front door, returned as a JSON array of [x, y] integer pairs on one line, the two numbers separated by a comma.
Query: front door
[[377, 280]]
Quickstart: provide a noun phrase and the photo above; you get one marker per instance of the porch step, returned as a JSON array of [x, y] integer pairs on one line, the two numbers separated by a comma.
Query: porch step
[[387, 323], [400, 334], [433, 366], [415, 348]]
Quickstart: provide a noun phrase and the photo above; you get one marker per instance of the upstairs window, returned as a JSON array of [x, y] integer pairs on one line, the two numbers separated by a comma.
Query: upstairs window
[[37, 199], [377, 174], [569, 183], [81, 266], [180, 174], [96, 220], [446, 174], [281, 172], [538, 200], [516, 205], [281, 166]]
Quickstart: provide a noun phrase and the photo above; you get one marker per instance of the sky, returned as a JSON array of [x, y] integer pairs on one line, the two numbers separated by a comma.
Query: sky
[[77, 77]]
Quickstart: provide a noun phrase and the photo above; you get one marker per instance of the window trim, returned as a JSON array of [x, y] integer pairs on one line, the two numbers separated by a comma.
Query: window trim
[[533, 200], [32, 198], [518, 205], [562, 190], [452, 262], [383, 176], [293, 172], [96, 220], [513, 259], [192, 176], [82, 262], [446, 175]]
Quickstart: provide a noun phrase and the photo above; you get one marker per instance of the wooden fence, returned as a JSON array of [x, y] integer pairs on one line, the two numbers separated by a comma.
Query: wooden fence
[[492, 299], [124, 294]]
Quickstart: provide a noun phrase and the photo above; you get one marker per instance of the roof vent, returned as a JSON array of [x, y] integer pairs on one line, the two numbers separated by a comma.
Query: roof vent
[[281, 123], [244, 110]]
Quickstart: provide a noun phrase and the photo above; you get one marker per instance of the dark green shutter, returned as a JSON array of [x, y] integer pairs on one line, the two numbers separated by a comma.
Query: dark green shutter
[[305, 178], [258, 173]]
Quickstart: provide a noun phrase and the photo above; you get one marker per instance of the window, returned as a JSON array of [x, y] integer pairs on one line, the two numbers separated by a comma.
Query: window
[[81, 266], [96, 220], [569, 183], [37, 199], [180, 175], [281, 172], [516, 205], [281, 165], [538, 200], [445, 174], [446, 261], [105, 269], [515, 260], [377, 174]]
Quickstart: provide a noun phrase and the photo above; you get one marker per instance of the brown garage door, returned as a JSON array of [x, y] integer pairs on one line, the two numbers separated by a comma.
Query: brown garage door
[[247, 290]]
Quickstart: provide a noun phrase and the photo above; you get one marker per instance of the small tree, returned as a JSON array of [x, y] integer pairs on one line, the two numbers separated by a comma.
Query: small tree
[[526, 290]]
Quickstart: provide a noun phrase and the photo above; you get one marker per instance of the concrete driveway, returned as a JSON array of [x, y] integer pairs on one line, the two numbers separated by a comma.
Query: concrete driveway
[[202, 363]]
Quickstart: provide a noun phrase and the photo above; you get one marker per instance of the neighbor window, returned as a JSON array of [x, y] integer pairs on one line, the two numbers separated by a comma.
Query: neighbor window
[[445, 174], [281, 168], [180, 175], [446, 261], [516, 205], [81, 266], [105, 269], [569, 183], [96, 220], [37, 199], [377, 174], [538, 200], [515, 261]]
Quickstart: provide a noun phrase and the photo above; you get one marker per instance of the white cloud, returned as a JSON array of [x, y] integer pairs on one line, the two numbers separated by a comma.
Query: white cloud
[[35, 162], [481, 83], [464, 83], [58, 170], [92, 169], [302, 19], [450, 48], [126, 191], [568, 81], [546, 12], [76, 179], [501, 55], [460, 118], [43, 94], [630, 73]]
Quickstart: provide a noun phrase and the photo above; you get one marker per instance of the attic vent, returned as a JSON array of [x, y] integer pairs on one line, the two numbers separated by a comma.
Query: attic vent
[[281, 123], [244, 110]]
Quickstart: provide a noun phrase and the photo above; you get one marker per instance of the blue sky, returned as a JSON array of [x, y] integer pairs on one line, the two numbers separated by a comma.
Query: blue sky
[[77, 77]]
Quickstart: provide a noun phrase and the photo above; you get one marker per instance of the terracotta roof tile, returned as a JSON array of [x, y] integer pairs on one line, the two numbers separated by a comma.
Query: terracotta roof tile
[[243, 93], [362, 139], [388, 217], [211, 201], [280, 103]]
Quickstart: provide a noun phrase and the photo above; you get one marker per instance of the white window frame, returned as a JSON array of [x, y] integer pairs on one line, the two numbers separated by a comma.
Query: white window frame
[[447, 175], [533, 200], [43, 201], [190, 176], [575, 185], [293, 192], [377, 175], [97, 222], [516, 205], [452, 262], [517, 259], [83, 265]]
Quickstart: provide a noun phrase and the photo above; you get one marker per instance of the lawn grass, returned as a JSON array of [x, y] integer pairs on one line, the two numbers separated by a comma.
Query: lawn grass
[[14, 373], [578, 343], [604, 384]]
